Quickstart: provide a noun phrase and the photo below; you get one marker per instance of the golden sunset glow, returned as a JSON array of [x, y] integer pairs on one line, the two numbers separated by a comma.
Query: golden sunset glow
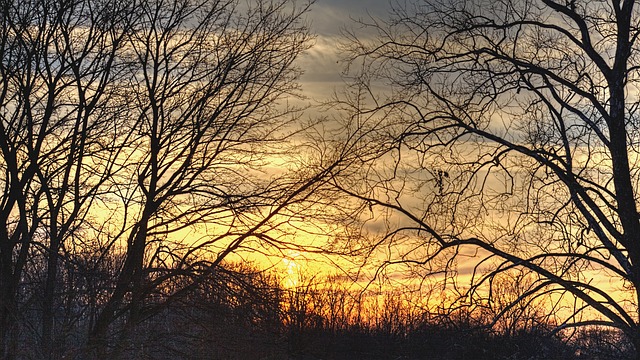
[[293, 269]]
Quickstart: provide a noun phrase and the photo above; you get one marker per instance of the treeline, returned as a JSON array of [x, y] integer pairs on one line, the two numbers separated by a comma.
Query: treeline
[[239, 312]]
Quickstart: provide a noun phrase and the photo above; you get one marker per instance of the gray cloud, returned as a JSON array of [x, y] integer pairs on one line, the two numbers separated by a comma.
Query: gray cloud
[[328, 18]]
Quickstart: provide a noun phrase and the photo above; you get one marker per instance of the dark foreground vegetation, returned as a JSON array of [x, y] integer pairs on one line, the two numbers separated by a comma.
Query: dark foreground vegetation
[[242, 313]]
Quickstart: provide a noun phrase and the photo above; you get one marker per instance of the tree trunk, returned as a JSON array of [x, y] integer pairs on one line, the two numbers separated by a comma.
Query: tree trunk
[[127, 280], [7, 303], [48, 313]]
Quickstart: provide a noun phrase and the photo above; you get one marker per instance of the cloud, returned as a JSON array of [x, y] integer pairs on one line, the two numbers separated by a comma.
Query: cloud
[[328, 17], [321, 70]]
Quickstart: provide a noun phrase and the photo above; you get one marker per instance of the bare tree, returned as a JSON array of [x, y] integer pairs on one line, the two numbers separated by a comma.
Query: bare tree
[[138, 140], [206, 82], [60, 71], [507, 137]]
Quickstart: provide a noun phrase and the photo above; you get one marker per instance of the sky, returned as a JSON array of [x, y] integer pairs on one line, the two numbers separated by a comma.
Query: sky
[[322, 77]]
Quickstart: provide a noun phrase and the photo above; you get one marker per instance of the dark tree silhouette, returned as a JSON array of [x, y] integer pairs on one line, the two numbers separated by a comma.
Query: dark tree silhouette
[[60, 95], [137, 139], [204, 94], [507, 138]]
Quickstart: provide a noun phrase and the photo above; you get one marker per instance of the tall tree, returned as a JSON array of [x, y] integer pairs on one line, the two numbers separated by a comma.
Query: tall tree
[[137, 141], [205, 89], [59, 69], [507, 136]]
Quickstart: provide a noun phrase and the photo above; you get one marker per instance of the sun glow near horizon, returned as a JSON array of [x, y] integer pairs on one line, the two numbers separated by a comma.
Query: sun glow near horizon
[[293, 269]]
